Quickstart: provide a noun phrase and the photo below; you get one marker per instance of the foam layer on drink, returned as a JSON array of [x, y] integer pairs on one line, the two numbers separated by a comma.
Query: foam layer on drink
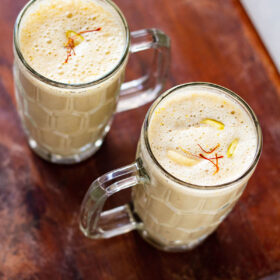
[[43, 38], [192, 117]]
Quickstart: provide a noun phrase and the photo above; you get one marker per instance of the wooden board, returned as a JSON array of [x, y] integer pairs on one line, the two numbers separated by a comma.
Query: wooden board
[[212, 41]]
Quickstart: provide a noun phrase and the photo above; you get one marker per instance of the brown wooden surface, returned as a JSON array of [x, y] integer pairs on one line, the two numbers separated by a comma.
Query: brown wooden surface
[[212, 40]]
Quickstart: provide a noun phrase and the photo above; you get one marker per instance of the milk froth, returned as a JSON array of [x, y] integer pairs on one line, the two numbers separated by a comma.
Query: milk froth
[[177, 125], [43, 37]]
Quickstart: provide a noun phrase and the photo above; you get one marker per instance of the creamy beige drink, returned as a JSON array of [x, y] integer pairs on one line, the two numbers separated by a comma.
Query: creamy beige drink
[[69, 42], [201, 137], [199, 145]]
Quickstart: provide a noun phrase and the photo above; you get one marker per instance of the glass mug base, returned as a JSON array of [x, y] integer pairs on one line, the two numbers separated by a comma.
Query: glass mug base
[[84, 153], [176, 248]]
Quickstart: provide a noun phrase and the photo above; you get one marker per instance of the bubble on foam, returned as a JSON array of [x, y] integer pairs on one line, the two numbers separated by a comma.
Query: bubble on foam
[[69, 15]]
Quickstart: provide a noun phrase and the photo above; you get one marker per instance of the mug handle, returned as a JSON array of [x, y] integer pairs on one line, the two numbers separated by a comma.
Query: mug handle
[[138, 92], [97, 224]]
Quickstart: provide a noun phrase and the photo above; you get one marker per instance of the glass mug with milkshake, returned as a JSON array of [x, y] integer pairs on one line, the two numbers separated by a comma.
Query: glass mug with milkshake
[[69, 68], [199, 145]]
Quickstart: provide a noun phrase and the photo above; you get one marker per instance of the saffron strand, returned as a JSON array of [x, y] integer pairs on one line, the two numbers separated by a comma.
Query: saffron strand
[[75, 39], [211, 150], [86, 31]]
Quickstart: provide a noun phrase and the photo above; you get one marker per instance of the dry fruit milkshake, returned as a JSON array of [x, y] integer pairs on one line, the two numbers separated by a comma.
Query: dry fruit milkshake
[[69, 42], [206, 141]]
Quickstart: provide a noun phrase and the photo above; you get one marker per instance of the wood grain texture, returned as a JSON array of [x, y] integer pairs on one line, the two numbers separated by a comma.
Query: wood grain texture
[[212, 41]]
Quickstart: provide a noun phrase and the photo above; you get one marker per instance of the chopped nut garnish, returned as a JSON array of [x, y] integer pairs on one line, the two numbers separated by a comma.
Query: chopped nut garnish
[[214, 123], [180, 159], [76, 37], [232, 147]]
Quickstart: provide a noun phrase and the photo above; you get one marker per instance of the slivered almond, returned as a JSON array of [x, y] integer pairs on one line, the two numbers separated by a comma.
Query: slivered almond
[[214, 123], [232, 147], [77, 38], [180, 159]]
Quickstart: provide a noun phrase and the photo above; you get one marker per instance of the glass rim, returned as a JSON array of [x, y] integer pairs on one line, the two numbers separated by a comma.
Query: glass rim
[[54, 83], [234, 96]]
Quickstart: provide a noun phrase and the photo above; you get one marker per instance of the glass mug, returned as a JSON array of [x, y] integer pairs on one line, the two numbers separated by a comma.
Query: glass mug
[[66, 123], [169, 213]]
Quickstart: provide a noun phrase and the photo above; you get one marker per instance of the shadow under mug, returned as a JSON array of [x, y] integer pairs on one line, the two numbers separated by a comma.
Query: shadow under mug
[[66, 123], [169, 213]]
